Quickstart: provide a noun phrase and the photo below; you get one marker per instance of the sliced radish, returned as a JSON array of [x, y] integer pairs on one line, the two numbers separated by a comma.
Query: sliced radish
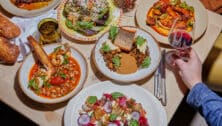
[[83, 119], [108, 107], [135, 115]]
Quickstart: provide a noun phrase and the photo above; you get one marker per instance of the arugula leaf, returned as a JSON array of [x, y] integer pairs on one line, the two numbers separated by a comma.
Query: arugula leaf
[[113, 32], [57, 48], [146, 62], [85, 24], [140, 41], [116, 95], [47, 84], [91, 99], [66, 59], [33, 84], [134, 123], [112, 117], [116, 60], [105, 48]]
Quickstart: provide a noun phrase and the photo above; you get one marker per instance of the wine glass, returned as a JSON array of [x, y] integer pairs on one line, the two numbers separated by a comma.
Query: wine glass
[[180, 39]]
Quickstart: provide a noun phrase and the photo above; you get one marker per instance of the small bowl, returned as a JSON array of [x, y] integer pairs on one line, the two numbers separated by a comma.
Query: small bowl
[[140, 74], [30, 61]]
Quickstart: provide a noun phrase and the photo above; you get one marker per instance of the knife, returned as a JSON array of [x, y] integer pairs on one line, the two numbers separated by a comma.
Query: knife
[[163, 80]]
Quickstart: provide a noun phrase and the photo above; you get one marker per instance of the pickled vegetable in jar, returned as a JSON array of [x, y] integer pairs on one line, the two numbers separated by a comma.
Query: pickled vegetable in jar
[[48, 29]]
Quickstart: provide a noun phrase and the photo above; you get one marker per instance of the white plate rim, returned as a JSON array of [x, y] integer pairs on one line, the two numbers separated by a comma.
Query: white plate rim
[[163, 39], [69, 111], [127, 78]]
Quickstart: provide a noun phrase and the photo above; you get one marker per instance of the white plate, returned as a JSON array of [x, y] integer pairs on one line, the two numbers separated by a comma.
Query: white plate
[[11, 8], [29, 62], [114, 12], [155, 112], [201, 19], [141, 73]]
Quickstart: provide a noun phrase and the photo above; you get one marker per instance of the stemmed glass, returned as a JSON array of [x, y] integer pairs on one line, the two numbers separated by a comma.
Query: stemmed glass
[[181, 40]]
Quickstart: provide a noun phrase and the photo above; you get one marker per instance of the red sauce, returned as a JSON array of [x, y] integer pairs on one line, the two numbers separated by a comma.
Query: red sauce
[[72, 76]]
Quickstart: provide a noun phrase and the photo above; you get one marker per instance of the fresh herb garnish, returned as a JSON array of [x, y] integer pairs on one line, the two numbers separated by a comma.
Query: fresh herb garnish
[[116, 61], [134, 123], [112, 117], [185, 6], [91, 99], [140, 41], [105, 48], [113, 32], [47, 84], [57, 48], [69, 24], [32, 84], [174, 2], [116, 95], [62, 75], [103, 12], [66, 59], [146, 62], [85, 24]]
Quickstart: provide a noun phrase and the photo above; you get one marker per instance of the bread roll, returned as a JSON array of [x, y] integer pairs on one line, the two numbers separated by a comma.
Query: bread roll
[[7, 28], [8, 52]]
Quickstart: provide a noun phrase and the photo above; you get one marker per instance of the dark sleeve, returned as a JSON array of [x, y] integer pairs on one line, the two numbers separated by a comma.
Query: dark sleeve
[[207, 103]]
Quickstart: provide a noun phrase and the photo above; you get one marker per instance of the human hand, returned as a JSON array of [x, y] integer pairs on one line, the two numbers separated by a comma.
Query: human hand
[[191, 70]]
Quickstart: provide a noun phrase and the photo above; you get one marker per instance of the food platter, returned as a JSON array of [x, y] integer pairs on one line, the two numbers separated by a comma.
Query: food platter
[[201, 19], [114, 17], [25, 72], [11, 8], [155, 112], [154, 52]]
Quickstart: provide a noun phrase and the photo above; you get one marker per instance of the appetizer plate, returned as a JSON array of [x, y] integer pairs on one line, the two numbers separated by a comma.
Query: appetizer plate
[[201, 19], [115, 14], [29, 62], [155, 112], [154, 51], [11, 8]]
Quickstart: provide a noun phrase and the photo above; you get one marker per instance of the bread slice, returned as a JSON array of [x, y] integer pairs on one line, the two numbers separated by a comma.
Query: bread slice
[[124, 39]]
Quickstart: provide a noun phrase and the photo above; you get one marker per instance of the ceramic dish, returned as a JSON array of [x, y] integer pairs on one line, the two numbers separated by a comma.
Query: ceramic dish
[[155, 112], [11, 8], [114, 14], [28, 64], [141, 73], [201, 19]]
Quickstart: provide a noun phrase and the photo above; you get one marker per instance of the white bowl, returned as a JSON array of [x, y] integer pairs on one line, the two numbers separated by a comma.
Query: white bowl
[[30, 61], [141, 73], [11, 8]]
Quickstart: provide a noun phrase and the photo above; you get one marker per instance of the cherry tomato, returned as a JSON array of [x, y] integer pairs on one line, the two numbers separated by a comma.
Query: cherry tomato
[[57, 81]]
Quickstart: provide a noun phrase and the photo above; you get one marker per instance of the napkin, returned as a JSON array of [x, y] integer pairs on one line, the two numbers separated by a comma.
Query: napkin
[[28, 27]]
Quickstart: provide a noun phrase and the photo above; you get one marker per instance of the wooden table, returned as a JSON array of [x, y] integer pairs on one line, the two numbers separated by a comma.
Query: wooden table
[[42, 114]]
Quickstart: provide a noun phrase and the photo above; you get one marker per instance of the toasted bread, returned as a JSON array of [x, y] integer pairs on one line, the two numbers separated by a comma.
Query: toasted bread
[[9, 52], [124, 39], [8, 29]]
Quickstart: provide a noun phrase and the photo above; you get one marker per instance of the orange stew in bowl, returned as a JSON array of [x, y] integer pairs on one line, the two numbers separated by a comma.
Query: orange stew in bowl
[[65, 79]]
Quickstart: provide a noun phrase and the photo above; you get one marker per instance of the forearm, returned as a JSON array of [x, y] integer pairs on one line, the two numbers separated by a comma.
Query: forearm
[[207, 102]]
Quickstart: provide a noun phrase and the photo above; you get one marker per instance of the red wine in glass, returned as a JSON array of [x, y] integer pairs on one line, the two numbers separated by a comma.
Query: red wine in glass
[[180, 39]]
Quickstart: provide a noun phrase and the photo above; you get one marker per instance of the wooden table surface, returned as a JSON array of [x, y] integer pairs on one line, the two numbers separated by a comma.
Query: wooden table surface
[[52, 115]]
